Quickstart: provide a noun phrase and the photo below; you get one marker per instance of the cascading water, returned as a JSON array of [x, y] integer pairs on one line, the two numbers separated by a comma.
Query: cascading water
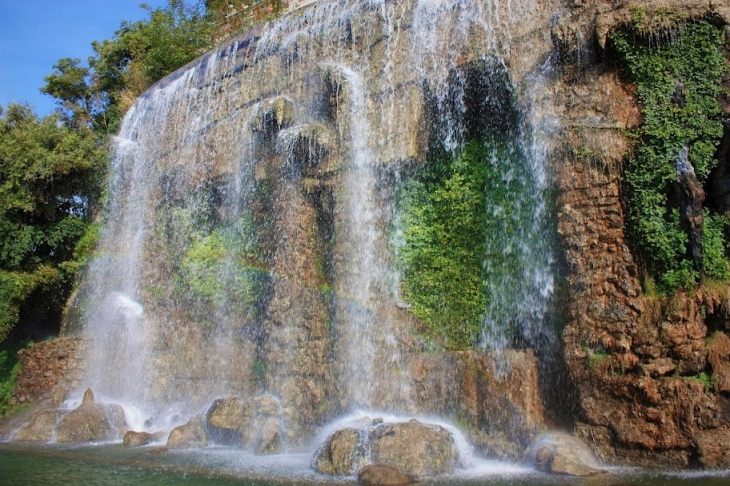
[[252, 208]]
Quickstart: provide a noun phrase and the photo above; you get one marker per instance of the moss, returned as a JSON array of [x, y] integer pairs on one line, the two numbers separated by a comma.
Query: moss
[[598, 360], [703, 378], [678, 84]]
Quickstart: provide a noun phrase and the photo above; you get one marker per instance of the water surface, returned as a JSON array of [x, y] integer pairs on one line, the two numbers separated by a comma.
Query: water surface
[[116, 465]]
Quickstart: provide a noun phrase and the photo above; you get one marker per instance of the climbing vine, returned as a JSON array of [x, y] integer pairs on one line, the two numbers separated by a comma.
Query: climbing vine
[[678, 84]]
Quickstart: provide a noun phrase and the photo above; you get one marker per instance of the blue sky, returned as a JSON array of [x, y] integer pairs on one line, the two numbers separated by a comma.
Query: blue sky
[[35, 34]]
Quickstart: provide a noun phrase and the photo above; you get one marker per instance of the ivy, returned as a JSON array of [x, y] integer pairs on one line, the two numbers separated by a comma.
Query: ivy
[[678, 84]]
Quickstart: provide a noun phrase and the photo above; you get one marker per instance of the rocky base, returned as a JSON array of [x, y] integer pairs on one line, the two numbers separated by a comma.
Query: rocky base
[[246, 423], [90, 422]]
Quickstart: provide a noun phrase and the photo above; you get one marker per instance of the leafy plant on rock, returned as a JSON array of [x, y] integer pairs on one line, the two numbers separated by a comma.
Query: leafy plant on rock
[[678, 84], [460, 221]]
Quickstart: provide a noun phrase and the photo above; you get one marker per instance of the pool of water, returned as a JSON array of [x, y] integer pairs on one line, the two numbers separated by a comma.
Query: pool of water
[[116, 465]]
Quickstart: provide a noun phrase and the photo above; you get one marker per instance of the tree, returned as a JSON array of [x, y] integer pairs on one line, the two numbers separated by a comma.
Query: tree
[[49, 186]]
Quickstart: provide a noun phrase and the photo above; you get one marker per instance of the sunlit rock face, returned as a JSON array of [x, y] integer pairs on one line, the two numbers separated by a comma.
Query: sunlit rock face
[[252, 226], [248, 249]]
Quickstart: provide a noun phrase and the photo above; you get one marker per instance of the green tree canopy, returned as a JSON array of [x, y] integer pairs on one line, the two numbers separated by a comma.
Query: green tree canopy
[[49, 184]]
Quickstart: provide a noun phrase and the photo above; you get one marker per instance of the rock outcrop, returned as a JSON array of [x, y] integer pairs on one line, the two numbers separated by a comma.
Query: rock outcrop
[[639, 363], [49, 369], [138, 439], [40, 428], [91, 422], [343, 453]]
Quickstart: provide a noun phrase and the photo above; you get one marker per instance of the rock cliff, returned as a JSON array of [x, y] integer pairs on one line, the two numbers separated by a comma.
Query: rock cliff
[[302, 130], [634, 358]]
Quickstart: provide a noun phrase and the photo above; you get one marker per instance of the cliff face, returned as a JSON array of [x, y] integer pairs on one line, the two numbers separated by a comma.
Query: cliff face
[[279, 154], [633, 358]]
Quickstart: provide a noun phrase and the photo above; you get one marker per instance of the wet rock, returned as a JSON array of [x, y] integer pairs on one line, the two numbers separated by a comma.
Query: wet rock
[[563, 454], [269, 442], [382, 475], [40, 428], [91, 421], [248, 423], [138, 439], [470, 385], [342, 453], [718, 354], [228, 419], [189, 435], [414, 448]]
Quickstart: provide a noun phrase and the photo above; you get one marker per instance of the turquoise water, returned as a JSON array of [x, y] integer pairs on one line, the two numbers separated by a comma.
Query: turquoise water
[[114, 465]]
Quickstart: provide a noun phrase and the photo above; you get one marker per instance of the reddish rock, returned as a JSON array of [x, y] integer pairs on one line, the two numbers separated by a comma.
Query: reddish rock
[[382, 475], [49, 369]]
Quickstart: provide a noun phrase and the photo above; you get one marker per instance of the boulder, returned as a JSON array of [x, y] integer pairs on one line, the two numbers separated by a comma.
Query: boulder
[[91, 421], [228, 419], [414, 448], [382, 475], [342, 453], [189, 435], [138, 439], [40, 428], [248, 423], [563, 454]]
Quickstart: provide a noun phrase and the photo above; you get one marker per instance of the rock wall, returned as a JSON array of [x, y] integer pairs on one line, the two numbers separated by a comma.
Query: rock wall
[[630, 358], [634, 359], [49, 370]]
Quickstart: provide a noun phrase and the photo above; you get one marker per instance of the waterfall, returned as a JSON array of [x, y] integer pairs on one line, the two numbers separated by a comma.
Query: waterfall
[[248, 247]]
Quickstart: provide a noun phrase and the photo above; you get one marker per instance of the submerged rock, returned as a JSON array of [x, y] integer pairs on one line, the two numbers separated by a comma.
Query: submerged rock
[[382, 475], [563, 454], [189, 435], [412, 447]]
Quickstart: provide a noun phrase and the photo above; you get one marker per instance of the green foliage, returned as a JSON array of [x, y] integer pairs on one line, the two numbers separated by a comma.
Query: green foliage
[[9, 369], [224, 270], [49, 181], [714, 261], [139, 54], [678, 84], [597, 360], [457, 214]]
